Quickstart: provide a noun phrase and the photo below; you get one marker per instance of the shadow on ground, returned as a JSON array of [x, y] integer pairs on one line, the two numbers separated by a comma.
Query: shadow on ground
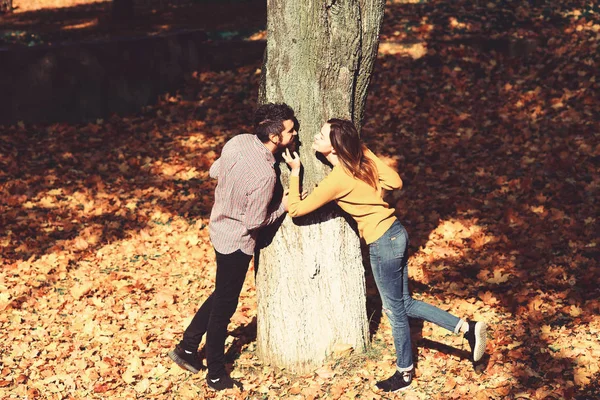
[[484, 135]]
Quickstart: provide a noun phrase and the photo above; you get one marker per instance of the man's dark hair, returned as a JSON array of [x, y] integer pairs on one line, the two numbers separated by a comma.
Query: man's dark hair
[[268, 120]]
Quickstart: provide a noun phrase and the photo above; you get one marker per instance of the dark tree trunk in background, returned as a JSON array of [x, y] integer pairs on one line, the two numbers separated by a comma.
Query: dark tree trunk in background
[[122, 10], [5, 6]]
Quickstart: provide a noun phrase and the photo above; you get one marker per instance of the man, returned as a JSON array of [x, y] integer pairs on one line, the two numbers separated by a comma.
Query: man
[[246, 180]]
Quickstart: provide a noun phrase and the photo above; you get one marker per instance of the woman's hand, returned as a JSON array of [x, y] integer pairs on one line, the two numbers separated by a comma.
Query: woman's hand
[[292, 161]]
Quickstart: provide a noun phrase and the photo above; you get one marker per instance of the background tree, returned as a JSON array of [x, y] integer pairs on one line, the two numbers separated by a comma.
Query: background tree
[[5, 6], [125, 10], [122, 10], [310, 280]]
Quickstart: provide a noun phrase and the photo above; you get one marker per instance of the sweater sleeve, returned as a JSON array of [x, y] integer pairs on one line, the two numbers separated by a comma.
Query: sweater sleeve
[[388, 178], [329, 189]]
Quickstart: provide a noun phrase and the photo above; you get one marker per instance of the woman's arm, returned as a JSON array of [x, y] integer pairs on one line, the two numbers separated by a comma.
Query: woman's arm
[[388, 178], [327, 190]]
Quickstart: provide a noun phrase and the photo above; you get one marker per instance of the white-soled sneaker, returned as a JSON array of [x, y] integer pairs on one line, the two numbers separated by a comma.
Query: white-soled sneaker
[[397, 382], [477, 338], [222, 383]]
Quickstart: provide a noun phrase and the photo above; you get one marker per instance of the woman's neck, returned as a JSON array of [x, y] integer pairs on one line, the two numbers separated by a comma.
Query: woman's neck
[[333, 159]]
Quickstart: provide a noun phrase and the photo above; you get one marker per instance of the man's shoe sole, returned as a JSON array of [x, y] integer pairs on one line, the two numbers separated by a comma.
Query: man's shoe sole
[[214, 389], [182, 363], [394, 391], [480, 340], [217, 389], [401, 389]]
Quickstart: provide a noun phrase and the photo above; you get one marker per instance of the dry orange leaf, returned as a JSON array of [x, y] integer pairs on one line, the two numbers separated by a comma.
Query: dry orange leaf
[[81, 290]]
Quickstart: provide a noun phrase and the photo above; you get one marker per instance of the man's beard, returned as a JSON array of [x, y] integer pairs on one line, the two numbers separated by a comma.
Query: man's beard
[[293, 145]]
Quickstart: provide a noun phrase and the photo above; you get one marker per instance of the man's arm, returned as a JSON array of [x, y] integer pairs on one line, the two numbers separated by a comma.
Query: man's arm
[[273, 215], [214, 169], [257, 212]]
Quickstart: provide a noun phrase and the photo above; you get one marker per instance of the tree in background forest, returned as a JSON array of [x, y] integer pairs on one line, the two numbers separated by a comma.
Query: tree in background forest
[[122, 10], [125, 10], [5, 6], [310, 278]]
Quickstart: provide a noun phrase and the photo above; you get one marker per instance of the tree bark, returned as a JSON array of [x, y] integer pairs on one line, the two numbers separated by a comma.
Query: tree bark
[[310, 279], [5, 6], [122, 10]]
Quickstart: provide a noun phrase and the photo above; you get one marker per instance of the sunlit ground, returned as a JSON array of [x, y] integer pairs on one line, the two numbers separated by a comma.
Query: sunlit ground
[[105, 253], [32, 5]]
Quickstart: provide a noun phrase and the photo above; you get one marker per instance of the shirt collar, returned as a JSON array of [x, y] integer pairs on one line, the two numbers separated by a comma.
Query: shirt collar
[[268, 155]]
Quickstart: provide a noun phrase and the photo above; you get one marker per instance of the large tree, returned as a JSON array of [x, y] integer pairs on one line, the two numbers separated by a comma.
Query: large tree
[[310, 278]]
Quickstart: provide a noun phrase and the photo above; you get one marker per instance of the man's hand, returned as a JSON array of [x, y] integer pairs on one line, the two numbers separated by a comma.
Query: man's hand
[[284, 201], [292, 161]]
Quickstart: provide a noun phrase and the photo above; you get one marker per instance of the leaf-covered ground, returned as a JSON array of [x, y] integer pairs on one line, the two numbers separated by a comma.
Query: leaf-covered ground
[[490, 112], [51, 22]]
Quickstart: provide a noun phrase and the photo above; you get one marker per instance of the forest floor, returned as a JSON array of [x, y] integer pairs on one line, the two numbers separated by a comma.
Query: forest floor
[[35, 22], [489, 111]]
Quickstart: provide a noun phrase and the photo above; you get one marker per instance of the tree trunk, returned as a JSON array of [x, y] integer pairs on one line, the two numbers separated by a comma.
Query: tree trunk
[[122, 10], [310, 280], [5, 6]]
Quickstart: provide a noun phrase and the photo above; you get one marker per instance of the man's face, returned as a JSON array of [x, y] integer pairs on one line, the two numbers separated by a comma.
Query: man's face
[[287, 134]]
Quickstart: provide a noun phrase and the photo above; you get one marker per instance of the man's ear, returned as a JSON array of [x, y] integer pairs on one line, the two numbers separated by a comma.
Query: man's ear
[[274, 138]]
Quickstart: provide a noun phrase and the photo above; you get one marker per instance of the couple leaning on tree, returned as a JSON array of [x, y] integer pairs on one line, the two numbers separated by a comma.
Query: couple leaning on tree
[[246, 181]]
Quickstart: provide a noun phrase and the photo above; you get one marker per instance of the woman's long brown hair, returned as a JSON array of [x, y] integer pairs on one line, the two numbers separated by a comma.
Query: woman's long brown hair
[[351, 152]]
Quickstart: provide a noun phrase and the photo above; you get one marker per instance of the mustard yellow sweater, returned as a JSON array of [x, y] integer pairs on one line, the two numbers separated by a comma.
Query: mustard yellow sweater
[[363, 202]]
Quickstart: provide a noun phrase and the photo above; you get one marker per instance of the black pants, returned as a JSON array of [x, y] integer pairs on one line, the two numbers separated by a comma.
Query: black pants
[[214, 315]]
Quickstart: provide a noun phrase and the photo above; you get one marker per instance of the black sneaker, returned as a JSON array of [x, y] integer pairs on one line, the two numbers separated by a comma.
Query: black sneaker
[[222, 383], [397, 382], [186, 359], [477, 338]]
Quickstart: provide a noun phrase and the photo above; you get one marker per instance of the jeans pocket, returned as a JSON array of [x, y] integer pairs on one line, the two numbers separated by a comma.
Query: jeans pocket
[[397, 244]]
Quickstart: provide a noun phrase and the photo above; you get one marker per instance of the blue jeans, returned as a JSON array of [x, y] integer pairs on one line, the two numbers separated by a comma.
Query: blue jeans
[[389, 257]]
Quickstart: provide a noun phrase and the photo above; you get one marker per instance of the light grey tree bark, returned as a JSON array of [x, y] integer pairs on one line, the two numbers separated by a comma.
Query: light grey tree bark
[[310, 279]]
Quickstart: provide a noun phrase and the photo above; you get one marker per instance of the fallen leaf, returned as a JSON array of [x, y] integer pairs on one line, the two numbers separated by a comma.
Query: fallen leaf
[[498, 278], [342, 349], [81, 290]]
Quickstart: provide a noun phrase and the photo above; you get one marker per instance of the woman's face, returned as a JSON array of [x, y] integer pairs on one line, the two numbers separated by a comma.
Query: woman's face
[[322, 142]]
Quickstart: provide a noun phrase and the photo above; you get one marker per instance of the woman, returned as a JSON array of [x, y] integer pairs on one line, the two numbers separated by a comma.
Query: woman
[[356, 184]]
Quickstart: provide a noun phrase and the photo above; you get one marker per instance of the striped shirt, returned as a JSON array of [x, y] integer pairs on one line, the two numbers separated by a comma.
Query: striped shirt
[[246, 181]]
